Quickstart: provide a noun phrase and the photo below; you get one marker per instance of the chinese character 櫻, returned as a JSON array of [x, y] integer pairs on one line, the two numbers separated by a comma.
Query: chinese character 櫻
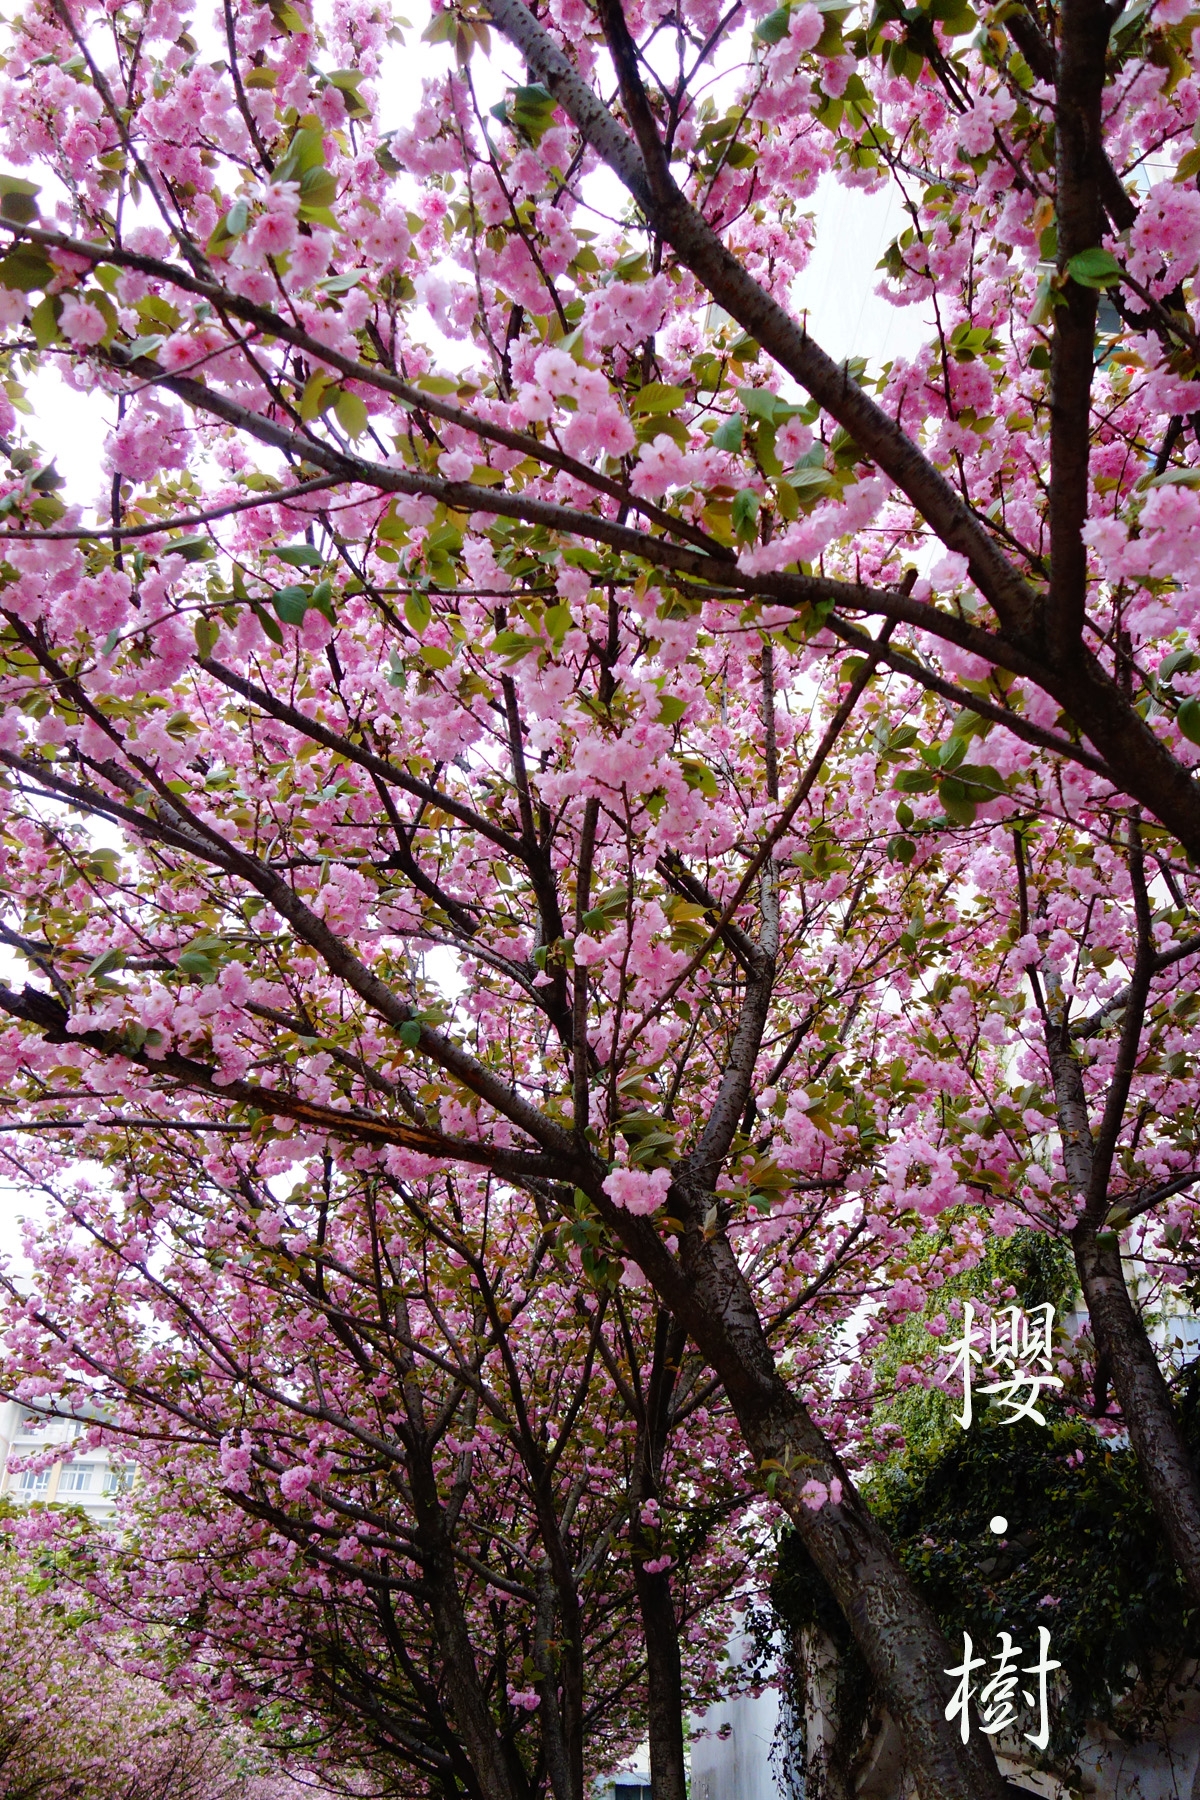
[[1020, 1352], [996, 1697]]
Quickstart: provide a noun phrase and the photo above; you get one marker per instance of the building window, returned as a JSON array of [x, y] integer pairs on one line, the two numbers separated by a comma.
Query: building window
[[32, 1481], [632, 1790], [77, 1478], [118, 1481]]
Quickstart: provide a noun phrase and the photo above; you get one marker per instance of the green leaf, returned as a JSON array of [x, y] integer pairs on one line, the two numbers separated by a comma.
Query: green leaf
[[1095, 268], [958, 801], [18, 199], [300, 556], [207, 631], [513, 645], [322, 598], [192, 549], [306, 151], [105, 864], [436, 656], [955, 18], [341, 284], [1048, 295], [657, 397], [787, 500], [633, 266], [346, 82], [729, 433], [558, 622], [744, 512], [1172, 478], [106, 961], [227, 230], [291, 604], [47, 511], [288, 18], [198, 963], [318, 394], [25, 268], [761, 404], [351, 413], [650, 425], [1188, 718], [417, 611], [774, 27], [317, 188], [410, 1033], [671, 709], [697, 774], [43, 321], [269, 625], [317, 215], [981, 777], [532, 111]]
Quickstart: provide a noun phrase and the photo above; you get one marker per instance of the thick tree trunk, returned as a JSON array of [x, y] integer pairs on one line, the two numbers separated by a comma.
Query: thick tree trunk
[[1120, 1336], [660, 1629], [897, 1633], [563, 1782], [660, 1626], [1149, 1413], [468, 1705], [900, 1639]]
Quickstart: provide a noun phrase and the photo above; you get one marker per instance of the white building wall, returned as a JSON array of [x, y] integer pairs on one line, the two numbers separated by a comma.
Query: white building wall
[[732, 1759], [81, 1477]]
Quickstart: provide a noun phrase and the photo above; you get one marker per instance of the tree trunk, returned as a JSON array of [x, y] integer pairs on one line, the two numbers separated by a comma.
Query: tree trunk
[[468, 1706], [563, 1784], [1148, 1411], [660, 1629], [660, 1626], [1120, 1336], [900, 1639]]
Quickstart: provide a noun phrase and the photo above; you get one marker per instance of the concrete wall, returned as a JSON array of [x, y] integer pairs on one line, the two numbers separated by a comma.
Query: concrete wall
[[731, 1761]]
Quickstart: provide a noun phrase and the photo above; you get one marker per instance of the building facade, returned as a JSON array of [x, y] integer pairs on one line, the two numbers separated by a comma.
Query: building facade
[[79, 1476]]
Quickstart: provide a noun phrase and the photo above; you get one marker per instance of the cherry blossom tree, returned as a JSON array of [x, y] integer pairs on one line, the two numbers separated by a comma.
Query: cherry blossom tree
[[463, 1481], [74, 1720], [542, 664], [1061, 1022]]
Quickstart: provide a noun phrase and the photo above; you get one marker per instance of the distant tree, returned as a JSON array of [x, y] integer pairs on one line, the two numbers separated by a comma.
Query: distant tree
[[75, 1722], [453, 1515]]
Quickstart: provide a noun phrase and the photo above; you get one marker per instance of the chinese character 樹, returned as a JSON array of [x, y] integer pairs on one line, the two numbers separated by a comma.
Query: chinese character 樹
[[996, 1697], [1020, 1353]]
